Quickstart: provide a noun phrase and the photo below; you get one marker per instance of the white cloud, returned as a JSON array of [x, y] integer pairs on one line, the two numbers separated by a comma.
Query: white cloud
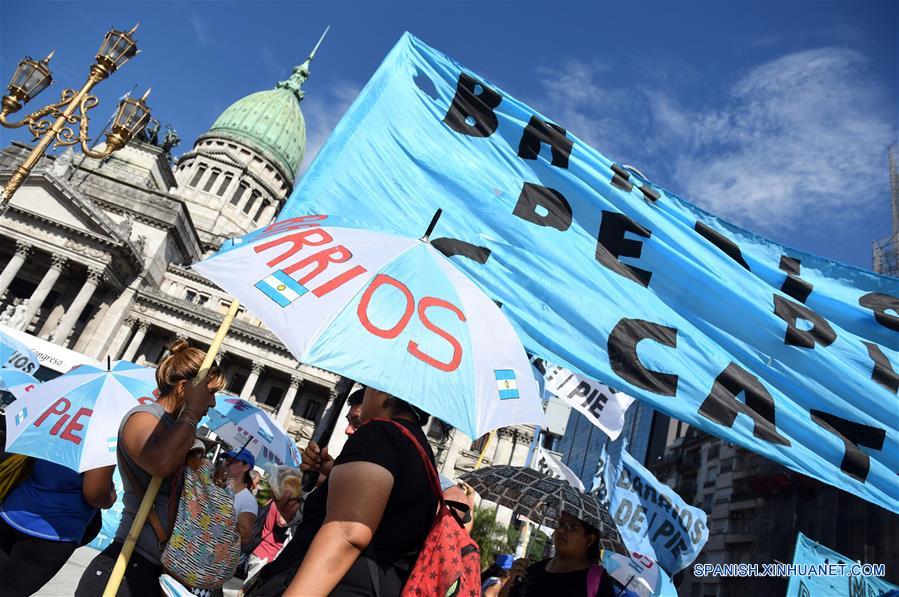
[[323, 106], [800, 134], [201, 28], [803, 134]]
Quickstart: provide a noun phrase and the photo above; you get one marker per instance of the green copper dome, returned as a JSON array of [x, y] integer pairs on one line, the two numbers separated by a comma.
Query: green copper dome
[[269, 122]]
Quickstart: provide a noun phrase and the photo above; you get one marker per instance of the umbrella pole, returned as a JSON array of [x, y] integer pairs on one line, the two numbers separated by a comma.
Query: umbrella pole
[[326, 425], [524, 537], [115, 578], [483, 453]]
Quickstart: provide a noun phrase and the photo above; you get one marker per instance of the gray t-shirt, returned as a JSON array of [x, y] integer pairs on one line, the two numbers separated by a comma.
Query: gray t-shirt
[[245, 501], [147, 543]]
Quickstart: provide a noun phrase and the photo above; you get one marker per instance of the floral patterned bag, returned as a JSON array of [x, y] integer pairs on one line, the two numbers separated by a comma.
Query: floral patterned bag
[[204, 547]]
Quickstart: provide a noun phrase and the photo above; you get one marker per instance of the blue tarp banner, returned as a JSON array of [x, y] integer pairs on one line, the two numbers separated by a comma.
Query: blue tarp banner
[[823, 571], [653, 520], [784, 353]]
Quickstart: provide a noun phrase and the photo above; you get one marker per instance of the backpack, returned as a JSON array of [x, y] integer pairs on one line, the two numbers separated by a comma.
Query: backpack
[[203, 549], [449, 563]]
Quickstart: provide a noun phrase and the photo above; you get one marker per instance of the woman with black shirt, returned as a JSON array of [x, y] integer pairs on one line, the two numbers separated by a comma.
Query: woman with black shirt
[[369, 519], [568, 573]]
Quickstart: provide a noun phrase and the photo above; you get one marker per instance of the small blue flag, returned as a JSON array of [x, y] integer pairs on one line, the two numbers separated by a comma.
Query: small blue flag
[[281, 288], [506, 384]]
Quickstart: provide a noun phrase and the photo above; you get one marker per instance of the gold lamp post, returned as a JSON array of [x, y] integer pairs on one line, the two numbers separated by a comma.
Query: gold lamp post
[[33, 76]]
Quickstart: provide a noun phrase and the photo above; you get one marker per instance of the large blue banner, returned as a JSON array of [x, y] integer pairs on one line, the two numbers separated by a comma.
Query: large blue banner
[[787, 354], [653, 520], [822, 571]]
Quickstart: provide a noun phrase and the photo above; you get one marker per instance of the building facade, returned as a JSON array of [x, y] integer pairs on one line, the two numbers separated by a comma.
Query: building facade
[[755, 509], [582, 443], [96, 254]]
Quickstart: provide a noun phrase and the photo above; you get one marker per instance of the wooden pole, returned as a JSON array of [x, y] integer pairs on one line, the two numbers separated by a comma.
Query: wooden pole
[[115, 578], [483, 453]]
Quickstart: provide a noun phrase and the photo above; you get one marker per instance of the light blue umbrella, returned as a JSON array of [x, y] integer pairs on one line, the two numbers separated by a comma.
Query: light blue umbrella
[[14, 354], [387, 311], [244, 425], [73, 420], [17, 382]]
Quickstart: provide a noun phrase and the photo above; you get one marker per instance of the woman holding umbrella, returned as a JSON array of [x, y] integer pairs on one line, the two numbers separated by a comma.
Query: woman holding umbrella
[[378, 494], [153, 440], [574, 571]]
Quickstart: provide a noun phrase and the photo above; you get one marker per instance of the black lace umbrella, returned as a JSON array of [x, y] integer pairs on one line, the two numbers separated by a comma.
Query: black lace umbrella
[[542, 499]]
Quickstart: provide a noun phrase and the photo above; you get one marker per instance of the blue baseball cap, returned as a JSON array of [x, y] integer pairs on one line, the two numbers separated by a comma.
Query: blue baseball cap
[[504, 560], [244, 456]]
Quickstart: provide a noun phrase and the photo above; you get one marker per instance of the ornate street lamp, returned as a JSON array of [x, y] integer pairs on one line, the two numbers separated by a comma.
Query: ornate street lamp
[[32, 77]]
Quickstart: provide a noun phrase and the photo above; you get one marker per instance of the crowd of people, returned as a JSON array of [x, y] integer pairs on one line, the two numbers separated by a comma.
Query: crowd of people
[[358, 533]]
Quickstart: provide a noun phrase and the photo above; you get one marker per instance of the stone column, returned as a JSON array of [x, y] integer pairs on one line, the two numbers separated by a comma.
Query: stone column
[[521, 446], [459, 442], [139, 335], [332, 396], [122, 336], [68, 321], [40, 293], [246, 392], [284, 409], [504, 446], [265, 218], [12, 268]]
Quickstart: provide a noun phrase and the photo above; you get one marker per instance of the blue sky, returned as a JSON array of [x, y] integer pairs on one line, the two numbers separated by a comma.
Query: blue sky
[[773, 115]]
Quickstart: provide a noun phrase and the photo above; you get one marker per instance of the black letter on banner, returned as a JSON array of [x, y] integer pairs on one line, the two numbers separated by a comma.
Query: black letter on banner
[[729, 247], [472, 113], [558, 210], [722, 405], [538, 132], [623, 358], [880, 304], [794, 286], [883, 373], [453, 246], [621, 179], [855, 462], [612, 245], [789, 311]]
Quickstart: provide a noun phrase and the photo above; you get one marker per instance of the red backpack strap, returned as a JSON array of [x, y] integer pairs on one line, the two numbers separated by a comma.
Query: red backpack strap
[[594, 576], [429, 466]]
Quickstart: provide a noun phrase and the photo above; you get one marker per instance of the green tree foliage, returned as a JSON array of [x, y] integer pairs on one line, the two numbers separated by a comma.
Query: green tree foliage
[[492, 537]]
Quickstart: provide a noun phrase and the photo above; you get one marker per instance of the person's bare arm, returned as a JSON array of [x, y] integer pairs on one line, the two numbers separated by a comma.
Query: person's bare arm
[[357, 496], [97, 487], [245, 523], [160, 450]]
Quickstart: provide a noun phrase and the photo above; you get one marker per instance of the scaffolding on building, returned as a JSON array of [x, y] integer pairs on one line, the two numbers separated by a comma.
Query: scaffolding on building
[[886, 250]]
